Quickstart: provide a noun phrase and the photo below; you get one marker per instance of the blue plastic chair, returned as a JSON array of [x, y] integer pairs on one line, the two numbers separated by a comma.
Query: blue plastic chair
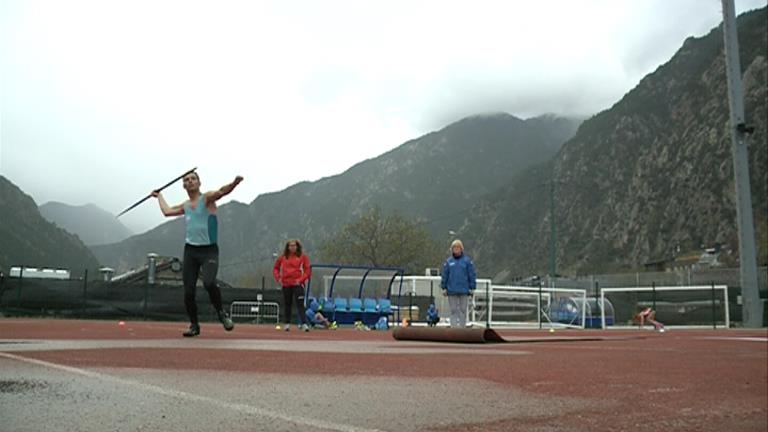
[[370, 306], [355, 305], [341, 314], [385, 306], [356, 308], [370, 312], [340, 304], [328, 308]]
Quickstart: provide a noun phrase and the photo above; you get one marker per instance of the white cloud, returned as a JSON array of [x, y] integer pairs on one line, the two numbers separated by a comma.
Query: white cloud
[[102, 101]]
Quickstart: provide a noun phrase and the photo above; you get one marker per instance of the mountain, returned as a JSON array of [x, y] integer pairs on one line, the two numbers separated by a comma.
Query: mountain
[[432, 178], [27, 239], [92, 224], [651, 173]]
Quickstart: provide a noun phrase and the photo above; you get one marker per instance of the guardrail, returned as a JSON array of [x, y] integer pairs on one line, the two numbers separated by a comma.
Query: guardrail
[[258, 311]]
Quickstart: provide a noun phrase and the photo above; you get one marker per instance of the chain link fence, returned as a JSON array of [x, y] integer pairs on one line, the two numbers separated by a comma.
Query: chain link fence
[[82, 298], [104, 300]]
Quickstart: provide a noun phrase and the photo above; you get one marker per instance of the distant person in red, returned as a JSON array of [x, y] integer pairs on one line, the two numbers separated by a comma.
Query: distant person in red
[[291, 271], [649, 315]]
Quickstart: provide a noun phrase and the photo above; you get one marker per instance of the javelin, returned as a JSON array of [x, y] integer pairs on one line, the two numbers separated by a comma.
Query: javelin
[[156, 190]]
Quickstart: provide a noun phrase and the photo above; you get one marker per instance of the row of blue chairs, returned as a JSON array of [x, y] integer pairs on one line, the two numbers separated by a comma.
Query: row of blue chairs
[[347, 311]]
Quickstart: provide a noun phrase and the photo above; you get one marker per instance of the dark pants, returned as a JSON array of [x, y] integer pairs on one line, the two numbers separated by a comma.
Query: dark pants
[[197, 259], [291, 294]]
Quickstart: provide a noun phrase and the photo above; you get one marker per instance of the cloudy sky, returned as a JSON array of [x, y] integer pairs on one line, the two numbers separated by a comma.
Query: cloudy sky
[[102, 101]]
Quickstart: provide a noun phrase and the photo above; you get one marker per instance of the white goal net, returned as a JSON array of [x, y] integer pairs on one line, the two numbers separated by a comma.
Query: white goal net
[[529, 307]]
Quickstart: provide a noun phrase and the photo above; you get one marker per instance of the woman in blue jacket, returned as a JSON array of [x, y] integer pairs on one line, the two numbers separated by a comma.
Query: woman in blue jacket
[[458, 283]]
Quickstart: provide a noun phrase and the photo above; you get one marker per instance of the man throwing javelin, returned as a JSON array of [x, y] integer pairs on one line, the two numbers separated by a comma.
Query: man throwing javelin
[[201, 253]]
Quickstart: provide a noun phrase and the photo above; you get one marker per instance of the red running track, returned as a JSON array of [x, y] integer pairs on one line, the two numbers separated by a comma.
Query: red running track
[[682, 380]]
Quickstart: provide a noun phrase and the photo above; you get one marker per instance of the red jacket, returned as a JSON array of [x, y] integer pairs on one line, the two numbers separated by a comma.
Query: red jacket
[[291, 271]]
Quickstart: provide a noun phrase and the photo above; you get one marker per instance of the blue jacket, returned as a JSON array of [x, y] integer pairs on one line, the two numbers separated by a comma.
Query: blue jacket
[[459, 277], [312, 309]]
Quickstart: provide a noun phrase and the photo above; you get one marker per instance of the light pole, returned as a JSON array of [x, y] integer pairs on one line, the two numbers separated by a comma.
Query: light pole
[[753, 307], [553, 232]]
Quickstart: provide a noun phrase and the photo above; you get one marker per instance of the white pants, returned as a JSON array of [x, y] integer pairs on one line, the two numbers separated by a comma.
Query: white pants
[[458, 304]]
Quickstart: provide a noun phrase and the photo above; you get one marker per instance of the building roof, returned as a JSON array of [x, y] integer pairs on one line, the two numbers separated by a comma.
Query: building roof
[[167, 272]]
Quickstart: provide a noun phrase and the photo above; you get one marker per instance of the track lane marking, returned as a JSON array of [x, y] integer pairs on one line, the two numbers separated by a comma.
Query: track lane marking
[[243, 408]]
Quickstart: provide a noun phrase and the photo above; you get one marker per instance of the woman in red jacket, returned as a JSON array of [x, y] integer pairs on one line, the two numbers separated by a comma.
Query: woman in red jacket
[[291, 271]]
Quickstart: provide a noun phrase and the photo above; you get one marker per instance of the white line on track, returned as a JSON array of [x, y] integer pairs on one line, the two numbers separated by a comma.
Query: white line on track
[[320, 346], [243, 408], [736, 338]]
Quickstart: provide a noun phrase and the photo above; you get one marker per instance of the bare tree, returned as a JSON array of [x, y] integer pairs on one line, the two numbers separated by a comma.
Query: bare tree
[[383, 241]]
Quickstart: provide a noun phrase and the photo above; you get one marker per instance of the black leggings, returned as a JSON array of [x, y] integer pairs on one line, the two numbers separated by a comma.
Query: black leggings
[[291, 293], [197, 258]]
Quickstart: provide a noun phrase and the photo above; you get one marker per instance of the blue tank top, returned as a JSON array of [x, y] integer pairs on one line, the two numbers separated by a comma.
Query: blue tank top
[[202, 226]]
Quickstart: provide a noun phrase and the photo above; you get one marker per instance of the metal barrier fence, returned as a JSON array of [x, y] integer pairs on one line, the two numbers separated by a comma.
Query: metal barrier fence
[[257, 311]]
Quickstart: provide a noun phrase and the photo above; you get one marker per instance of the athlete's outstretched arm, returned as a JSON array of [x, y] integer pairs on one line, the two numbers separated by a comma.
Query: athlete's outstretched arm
[[167, 210], [222, 191]]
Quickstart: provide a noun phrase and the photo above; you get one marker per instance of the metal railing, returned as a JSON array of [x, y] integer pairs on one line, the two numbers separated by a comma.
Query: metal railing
[[257, 311]]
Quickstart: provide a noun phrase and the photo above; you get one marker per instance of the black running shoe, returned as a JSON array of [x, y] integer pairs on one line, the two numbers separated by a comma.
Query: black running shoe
[[226, 321], [194, 330]]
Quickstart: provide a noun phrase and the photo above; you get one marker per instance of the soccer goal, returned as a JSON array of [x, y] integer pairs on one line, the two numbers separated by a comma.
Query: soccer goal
[[703, 306], [418, 292], [529, 307]]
